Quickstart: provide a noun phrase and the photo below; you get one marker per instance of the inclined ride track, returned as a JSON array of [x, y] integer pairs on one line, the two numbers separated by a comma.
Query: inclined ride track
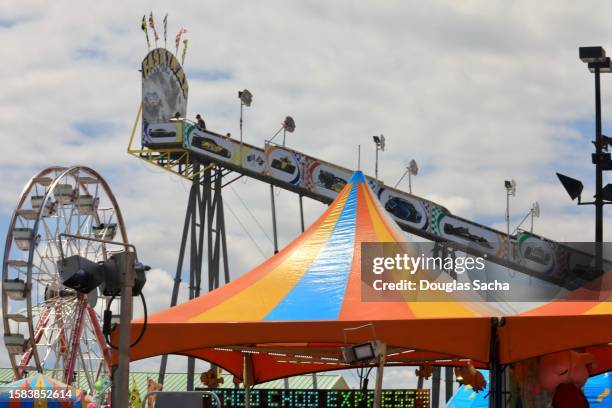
[[47, 326]]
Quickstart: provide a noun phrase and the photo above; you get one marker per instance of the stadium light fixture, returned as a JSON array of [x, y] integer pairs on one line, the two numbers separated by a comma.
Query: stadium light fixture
[[606, 193], [288, 126], [411, 170], [572, 186], [246, 98], [510, 191], [379, 141], [534, 212]]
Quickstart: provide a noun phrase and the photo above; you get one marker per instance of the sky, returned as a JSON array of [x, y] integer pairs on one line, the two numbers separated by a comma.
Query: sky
[[477, 92]]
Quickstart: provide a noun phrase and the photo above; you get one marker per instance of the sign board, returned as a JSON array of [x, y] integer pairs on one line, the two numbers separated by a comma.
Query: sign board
[[284, 164], [164, 94], [290, 398], [223, 149]]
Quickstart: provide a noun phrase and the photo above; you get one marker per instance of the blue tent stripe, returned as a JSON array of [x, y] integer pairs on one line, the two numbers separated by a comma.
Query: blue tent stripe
[[327, 276]]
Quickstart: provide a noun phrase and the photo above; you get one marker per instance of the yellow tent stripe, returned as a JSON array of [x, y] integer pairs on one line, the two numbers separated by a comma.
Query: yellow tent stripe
[[381, 230]]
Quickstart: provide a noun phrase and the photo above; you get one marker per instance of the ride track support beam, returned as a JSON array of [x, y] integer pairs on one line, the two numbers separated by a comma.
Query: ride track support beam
[[274, 230], [203, 235]]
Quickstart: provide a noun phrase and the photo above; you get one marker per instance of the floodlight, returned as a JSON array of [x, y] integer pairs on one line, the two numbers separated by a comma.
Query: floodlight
[[591, 54], [606, 141], [606, 192], [80, 273], [289, 124], [114, 270], [572, 186], [364, 352], [535, 209], [604, 66], [380, 145], [510, 186], [246, 97], [361, 352], [413, 168]]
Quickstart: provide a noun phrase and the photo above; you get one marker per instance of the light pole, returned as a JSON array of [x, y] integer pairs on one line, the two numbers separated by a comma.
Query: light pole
[[510, 191], [597, 62], [246, 98], [379, 141]]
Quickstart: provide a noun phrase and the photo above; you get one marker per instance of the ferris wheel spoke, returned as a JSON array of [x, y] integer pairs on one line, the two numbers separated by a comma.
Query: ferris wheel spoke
[[77, 331], [39, 331], [97, 331], [87, 370]]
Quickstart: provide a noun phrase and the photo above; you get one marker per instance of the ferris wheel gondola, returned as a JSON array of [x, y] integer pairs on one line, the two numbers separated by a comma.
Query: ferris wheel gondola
[[49, 327]]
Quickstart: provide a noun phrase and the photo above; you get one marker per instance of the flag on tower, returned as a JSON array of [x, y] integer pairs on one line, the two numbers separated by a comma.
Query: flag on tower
[[185, 41], [178, 39], [165, 30], [152, 25], [143, 26]]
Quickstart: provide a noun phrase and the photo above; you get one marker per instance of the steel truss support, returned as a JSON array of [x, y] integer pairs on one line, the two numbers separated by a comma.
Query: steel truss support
[[204, 221], [448, 383], [435, 386]]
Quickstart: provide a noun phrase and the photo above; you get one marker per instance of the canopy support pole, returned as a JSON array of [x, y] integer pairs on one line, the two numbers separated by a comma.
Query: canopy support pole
[[379, 375], [247, 378], [495, 369]]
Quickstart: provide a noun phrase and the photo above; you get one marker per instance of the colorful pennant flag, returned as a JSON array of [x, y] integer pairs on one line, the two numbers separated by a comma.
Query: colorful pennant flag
[[143, 26], [166, 30], [178, 39], [135, 399], [185, 42], [152, 25]]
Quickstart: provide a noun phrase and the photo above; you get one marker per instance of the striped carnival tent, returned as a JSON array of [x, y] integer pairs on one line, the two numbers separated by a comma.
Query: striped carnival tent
[[56, 394], [289, 315]]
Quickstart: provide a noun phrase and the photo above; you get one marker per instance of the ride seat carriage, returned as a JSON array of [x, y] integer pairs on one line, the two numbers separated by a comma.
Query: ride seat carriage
[[87, 204], [104, 231], [23, 237], [64, 193], [37, 202]]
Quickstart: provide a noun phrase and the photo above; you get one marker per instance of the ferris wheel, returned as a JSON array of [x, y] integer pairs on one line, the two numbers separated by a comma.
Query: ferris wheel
[[48, 326]]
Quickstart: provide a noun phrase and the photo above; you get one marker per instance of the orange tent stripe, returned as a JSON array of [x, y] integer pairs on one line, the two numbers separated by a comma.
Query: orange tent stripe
[[353, 307]]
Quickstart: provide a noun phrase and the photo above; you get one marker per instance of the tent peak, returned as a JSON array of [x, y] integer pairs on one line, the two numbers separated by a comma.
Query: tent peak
[[357, 177]]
